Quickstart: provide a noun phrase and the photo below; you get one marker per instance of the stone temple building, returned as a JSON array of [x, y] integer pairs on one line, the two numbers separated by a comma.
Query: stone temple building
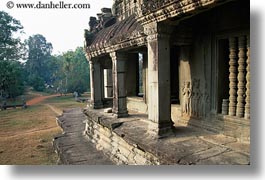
[[175, 62]]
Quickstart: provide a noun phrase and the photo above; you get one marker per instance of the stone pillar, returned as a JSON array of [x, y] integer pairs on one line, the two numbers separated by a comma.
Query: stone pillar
[[108, 83], [247, 105], [232, 76], [159, 105], [145, 78], [96, 84], [241, 77], [119, 87]]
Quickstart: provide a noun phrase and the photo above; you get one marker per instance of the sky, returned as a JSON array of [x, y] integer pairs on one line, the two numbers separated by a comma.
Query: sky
[[64, 28]]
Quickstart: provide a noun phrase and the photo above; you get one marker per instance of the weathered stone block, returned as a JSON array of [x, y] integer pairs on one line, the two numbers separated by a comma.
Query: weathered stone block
[[124, 151], [140, 160], [99, 147], [125, 144], [105, 131], [105, 145], [131, 158], [115, 138], [122, 158], [138, 151]]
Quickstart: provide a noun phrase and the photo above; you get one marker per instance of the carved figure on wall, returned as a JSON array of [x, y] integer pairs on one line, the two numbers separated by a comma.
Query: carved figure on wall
[[186, 92], [196, 98]]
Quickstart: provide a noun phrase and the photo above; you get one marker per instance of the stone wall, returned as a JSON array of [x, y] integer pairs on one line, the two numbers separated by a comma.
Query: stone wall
[[230, 126], [130, 141], [101, 133], [204, 69], [137, 104]]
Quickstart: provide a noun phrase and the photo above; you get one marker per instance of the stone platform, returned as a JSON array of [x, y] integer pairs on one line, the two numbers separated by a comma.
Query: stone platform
[[109, 140], [128, 141]]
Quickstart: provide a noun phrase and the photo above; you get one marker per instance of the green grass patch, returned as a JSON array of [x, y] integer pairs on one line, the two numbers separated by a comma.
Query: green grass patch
[[22, 119]]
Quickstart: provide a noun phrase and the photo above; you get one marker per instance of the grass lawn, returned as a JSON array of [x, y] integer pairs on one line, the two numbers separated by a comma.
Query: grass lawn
[[26, 134]]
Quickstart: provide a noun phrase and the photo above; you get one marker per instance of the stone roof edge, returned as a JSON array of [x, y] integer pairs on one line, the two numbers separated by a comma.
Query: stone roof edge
[[139, 40]]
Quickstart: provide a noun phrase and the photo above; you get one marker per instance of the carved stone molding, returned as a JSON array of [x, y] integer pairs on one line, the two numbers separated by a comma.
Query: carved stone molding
[[155, 31], [157, 28], [94, 52], [160, 10], [117, 56]]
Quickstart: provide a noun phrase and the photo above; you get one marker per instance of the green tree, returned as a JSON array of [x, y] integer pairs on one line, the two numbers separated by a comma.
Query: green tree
[[11, 48], [78, 77], [39, 62], [73, 74], [11, 76], [11, 51]]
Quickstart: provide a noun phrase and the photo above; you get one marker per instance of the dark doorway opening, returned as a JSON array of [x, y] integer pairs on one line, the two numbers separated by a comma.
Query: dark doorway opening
[[174, 74], [223, 73]]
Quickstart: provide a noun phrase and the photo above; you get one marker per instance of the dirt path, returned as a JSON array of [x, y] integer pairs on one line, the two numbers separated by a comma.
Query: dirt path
[[39, 99], [55, 110], [48, 129]]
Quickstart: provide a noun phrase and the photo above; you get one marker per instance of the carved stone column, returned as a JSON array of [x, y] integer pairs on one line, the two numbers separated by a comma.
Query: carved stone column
[[247, 105], [159, 104], [145, 77], [232, 76], [241, 77], [108, 82], [119, 87], [96, 84]]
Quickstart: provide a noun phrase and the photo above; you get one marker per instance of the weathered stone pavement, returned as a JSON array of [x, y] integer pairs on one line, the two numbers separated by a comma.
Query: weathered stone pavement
[[189, 146], [72, 146]]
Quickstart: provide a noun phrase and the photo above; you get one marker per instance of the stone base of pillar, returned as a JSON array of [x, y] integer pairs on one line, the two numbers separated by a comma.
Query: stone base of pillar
[[97, 105], [161, 129], [120, 114]]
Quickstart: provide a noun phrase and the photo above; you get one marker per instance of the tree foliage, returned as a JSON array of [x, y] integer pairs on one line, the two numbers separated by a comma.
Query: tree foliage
[[38, 64], [73, 72], [11, 51], [64, 73], [67, 72], [11, 48]]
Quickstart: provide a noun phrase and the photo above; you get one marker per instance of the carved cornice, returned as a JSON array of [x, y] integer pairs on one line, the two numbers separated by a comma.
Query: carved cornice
[[157, 30], [149, 6], [160, 10], [118, 56]]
